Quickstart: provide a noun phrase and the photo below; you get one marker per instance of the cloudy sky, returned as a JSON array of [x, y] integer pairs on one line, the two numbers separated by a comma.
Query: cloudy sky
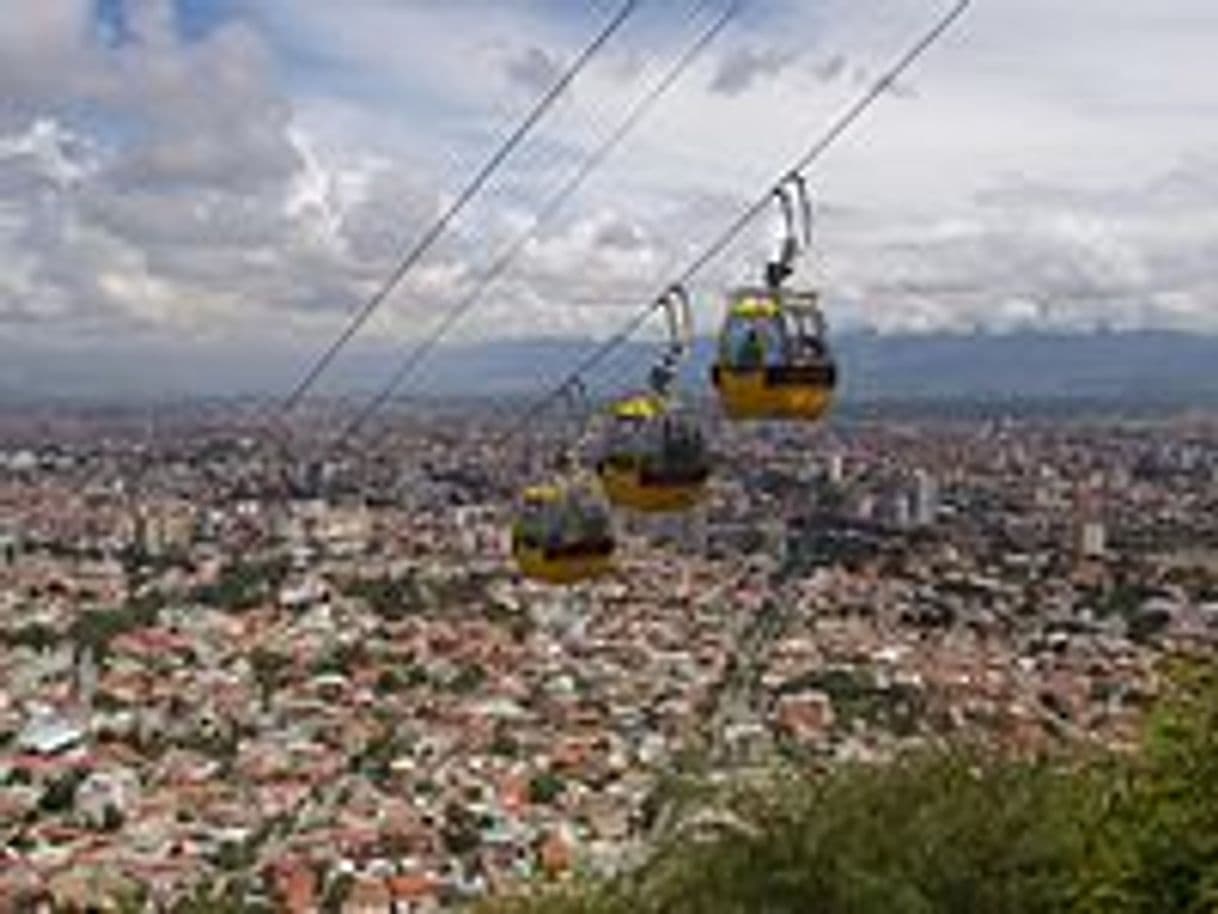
[[228, 172]]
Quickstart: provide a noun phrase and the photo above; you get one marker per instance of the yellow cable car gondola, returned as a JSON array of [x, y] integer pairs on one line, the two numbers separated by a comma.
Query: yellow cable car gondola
[[774, 360], [562, 535], [654, 459]]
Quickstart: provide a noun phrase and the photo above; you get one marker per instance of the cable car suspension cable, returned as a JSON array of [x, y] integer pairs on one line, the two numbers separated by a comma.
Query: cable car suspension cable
[[425, 243]]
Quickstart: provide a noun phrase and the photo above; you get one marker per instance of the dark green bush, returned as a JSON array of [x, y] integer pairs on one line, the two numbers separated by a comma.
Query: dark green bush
[[953, 831]]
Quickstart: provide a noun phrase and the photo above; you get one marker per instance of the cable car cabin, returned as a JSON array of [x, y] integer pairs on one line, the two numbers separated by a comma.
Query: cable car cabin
[[653, 460], [774, 360], [562, 536]]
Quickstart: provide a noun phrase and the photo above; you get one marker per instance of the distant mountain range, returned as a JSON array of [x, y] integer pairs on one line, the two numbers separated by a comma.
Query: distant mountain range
[[1118, 366], [1102, 366]]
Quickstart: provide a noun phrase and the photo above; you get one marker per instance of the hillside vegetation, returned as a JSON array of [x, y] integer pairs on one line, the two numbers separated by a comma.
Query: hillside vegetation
[[954, 831]]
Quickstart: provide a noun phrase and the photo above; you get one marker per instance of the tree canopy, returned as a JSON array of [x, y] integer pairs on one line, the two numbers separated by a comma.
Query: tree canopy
[[955, 829]]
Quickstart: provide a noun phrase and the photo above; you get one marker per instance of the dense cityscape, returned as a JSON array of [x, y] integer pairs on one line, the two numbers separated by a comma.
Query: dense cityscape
[[322, 684], [696, 457]]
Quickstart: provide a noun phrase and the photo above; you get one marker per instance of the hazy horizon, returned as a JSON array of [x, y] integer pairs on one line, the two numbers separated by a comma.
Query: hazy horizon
[[1147, 365]]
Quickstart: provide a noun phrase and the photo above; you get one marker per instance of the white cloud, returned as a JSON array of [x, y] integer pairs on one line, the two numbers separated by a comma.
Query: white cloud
[[741, 69], [198, 208], [1044, 255], [43, 54]]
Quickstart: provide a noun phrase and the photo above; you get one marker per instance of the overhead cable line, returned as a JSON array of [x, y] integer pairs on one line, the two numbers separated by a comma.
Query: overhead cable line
[[720, 244], [425, 243], [513, 251]]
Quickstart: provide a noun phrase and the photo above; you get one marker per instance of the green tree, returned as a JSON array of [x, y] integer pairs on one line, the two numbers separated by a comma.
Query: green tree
[[1156, 847], [243, 585], [269, 668], [36, 636], [460, 831], [504, 743], [60, 794], [112, 818], [469, 679], [545, 787], [389, 682], [949, 830], [337, 889], [98, 628], [392, 599]]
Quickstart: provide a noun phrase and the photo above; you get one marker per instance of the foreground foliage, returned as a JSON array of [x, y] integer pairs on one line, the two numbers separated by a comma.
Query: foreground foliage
[[948, 831]]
